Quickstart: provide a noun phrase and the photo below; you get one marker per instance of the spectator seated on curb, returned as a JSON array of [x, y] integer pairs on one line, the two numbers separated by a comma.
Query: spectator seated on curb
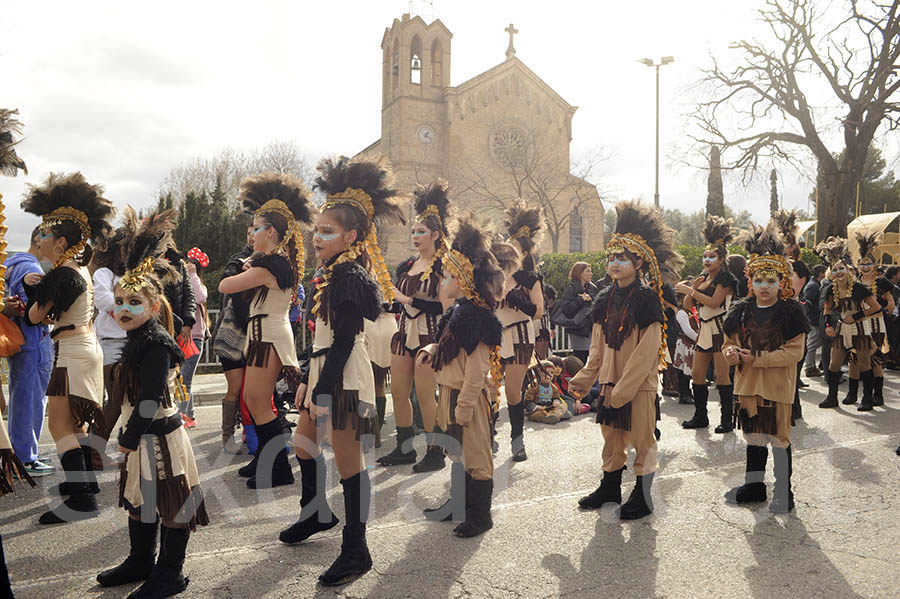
[[543, 403]]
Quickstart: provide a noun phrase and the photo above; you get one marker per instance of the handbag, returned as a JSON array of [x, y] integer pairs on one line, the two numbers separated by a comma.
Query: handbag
[[11, 337]]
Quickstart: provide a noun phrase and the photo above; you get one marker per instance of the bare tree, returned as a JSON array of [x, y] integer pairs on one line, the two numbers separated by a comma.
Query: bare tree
[[535, 167], [768, 94]]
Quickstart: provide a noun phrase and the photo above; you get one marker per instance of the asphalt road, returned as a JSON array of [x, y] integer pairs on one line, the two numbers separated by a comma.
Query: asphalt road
[[841, 542]]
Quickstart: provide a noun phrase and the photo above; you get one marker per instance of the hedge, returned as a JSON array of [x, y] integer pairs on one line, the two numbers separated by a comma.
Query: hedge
[[556, 267]]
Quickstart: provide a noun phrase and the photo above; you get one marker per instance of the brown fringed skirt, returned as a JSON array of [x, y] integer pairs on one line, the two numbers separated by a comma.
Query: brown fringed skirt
[[11, 469], [348, 411], [758, 416], [517, 346], [399, 348], [81, 355], [258, 353], [162, 474]]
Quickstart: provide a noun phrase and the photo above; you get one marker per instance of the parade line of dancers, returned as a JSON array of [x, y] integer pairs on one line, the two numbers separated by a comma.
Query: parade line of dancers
[[460, 319]]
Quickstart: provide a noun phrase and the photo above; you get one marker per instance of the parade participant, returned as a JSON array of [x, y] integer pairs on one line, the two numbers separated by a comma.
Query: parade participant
[[848, 307], [197, 260], [229, 339], [465, 352], [628, 350], [418, 282], [159, 483], [711, 293], [74, 213], [543, 326], [523, 303], [280, 205], [881, 288], [110, 265], [339, 386], [765, 339]]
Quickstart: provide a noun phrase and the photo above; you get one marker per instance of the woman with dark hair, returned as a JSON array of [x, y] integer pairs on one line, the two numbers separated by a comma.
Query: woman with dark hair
[[577, 298], [339, 385], [74, 214], [737, 265], [711, 293], [524, 302], [418, 284], [280, 204]]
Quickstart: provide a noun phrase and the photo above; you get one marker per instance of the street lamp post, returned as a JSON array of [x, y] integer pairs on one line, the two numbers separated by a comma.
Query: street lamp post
[[649, 62]]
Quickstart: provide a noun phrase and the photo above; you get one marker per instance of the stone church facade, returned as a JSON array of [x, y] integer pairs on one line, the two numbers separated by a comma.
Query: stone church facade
[[500, 135]]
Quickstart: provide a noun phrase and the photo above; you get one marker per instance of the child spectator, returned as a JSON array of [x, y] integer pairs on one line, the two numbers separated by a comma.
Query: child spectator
[[543, 402]]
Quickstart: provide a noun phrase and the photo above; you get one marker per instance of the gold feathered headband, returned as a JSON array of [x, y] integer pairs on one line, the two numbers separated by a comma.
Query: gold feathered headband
[[276, 206], [67, 213]]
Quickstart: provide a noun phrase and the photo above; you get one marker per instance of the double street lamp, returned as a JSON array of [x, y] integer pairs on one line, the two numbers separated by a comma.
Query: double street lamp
[[649, 62]]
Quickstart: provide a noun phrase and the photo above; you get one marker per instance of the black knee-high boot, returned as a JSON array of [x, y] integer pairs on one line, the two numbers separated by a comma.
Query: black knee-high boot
[[453, 508], [268, 433], [754, 487], [354, 559], [90, 478], [878, 393], [783, 496], [833, 379], [315, 515], [726, 399], [517, 428], [399, 456], [868, 381], [852, 391], [639, 503], [380, 408], [434, 455], [81, 503], [478, 508], [139, 563], [168, 577], [700, 418], [684, 389], [609, 491]]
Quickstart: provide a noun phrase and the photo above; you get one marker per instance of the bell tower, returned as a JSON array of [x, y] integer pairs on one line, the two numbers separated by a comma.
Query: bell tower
[[415, 72]]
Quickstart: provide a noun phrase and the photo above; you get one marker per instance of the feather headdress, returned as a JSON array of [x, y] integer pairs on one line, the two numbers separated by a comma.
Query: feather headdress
[[833, 251], [766, 249], [867, 243], [525, 224], [10, 163], [718, 233], [786, 223], [145, 242]]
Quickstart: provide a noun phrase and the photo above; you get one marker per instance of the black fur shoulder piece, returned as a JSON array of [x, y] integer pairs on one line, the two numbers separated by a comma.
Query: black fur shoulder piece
[[151, 334], [62, 285], [861, 292], [725, 279], [790, 315], [279, 266], [351, 283], [644, 306], [473, 325], [404, 267], [883, 285], [527, 278]]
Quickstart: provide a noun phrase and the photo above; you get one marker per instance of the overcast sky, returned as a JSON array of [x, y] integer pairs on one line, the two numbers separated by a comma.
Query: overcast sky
[[125, 91]]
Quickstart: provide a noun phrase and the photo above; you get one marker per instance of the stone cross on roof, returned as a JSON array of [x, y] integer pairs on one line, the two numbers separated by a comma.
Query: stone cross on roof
[[511, 50]]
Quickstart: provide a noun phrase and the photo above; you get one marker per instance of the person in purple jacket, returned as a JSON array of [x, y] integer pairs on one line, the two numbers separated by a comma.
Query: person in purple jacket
[[29, 369]]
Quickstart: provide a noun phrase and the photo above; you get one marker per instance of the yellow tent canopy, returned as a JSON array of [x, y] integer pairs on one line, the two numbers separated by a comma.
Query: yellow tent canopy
[[803, 228], [889, 245]]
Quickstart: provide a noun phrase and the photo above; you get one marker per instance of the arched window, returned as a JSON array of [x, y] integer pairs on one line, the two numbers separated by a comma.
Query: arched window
[[395, 64], [437, 59], [415, 61], [576, 230]]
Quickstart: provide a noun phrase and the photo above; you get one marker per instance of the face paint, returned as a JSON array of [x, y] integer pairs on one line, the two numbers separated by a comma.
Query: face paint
[[260, 228], [419, 233], [764, 283], [326, 236], [133, 309], [45, 236], [707, 260]]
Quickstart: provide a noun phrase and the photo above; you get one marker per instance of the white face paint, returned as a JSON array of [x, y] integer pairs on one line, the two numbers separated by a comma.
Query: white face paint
[[325, 236]]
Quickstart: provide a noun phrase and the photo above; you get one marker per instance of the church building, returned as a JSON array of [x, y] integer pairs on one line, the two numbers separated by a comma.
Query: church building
[[500, 135]]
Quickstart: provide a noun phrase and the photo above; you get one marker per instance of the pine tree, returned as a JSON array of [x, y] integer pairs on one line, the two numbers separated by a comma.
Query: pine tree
[[773, 194]]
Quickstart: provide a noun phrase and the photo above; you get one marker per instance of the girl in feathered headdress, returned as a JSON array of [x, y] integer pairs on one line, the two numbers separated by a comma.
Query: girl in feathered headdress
[[74, 214], [881, 288], [711, 293], [765, 340], [465, 352], [159, 483], [339, 386], [849, 306], [523, 304], [416, 290], [628, 350], [281, 206]]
